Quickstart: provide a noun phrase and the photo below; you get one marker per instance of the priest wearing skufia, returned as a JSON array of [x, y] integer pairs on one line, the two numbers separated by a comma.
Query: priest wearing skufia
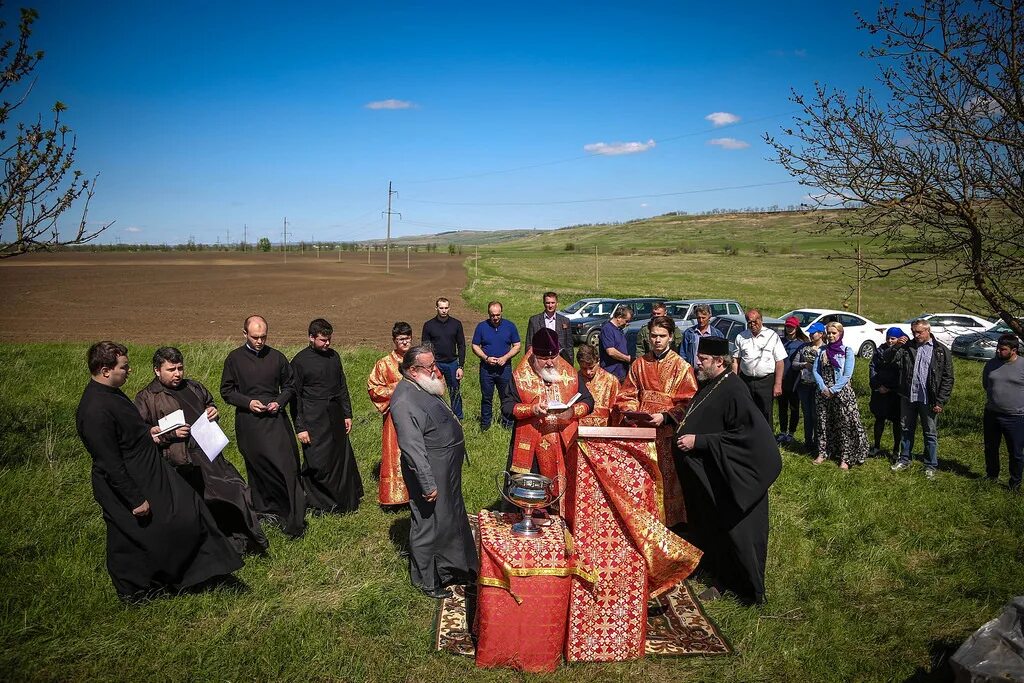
[[217, 481], [160, 534], [322, 412], [728, 459], [258, 381], [541, 438], [604, 387], [380, 385], [656, 392], [441, 547]]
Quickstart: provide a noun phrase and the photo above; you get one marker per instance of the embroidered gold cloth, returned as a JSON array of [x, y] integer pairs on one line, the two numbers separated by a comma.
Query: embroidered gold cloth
[[612, 508], [380, 385], [662, 386]]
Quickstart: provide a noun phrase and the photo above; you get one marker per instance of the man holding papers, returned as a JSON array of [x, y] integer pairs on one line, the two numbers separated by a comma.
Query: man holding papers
[[209, 473], [656, 393], [546, 398], [160, 536]]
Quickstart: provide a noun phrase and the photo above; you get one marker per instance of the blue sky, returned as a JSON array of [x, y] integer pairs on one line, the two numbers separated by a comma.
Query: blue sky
[[202, 118]]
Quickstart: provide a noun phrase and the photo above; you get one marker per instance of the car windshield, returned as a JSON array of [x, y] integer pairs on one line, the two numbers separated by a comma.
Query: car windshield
[[676, 310], [1002, 328], [575, 307], [805, 317]]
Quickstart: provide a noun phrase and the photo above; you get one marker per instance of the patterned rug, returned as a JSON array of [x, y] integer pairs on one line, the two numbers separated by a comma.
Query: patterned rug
[[676, 625]]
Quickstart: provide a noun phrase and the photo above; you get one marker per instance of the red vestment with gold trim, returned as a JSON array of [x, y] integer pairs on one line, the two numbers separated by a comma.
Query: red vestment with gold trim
[[665, 385], [543, 437], [381, 383], [605, 390]]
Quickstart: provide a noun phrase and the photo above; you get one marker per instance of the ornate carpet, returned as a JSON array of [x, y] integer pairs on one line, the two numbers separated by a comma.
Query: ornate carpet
[[676, 625]]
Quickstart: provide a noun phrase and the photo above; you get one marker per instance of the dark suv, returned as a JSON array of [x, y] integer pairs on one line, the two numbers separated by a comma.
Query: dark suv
[[588, 330]]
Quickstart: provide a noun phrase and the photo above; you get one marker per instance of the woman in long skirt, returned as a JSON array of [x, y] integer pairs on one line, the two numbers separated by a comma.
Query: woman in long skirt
[[840, 432]]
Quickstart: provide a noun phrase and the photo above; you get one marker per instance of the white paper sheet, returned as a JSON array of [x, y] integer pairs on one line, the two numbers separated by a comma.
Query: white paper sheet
[[209, 436]]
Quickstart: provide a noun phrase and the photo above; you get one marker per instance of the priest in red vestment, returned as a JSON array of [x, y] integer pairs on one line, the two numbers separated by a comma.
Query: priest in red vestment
[[656, 393], [603, 386], [381, 383], [544, 431]]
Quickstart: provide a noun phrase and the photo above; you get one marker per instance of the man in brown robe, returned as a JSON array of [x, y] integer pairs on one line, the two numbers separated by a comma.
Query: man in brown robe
[[380, 385], [216, 480], [603, 386]]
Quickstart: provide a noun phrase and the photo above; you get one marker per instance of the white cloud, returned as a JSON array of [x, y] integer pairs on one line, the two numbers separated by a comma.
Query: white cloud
[[132, 228], [390, 104], [613, 148], [643, 204], [722, 118], [729, 143]]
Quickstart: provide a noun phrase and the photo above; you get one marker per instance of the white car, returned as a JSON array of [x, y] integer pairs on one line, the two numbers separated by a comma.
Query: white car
[[859, 333], [590, 307], [948, 326]]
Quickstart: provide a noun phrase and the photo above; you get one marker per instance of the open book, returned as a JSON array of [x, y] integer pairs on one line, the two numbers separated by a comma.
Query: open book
[[170, 422], [558, 405]]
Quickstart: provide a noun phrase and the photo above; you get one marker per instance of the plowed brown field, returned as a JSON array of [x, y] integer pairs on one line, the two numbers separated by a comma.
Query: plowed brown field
[[170, 297]]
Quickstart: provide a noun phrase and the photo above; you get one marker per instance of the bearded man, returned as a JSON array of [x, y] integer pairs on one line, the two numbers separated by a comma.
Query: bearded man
[[656, 392], [217, 481], [442, 551], [728, 458], [542, 385]]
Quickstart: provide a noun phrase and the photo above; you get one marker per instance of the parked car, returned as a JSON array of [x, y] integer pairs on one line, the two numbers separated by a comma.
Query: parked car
[[731, 325], [859, 333], [683, 311], [593, 307], [948, 326], [982, 345], [587, 330]]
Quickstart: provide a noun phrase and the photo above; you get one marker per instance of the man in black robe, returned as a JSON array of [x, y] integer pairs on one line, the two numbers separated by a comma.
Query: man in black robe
[[160, 535], [322, 412], [217, 480], [441, 547], [727, 458], [258, 381]]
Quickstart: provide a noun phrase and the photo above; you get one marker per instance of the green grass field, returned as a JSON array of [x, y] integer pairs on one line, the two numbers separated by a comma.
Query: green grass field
[[872, 575]]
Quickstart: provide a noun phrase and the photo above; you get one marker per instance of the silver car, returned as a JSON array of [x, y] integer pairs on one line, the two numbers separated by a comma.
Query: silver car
[[982, 345]]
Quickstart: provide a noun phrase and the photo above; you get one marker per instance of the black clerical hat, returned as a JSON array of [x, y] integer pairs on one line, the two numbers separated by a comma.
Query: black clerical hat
[[713, 346], [545, 343]]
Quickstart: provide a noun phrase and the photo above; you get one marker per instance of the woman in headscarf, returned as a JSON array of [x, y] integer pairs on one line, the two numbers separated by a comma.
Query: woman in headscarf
[[839, 430], [803, 360], [885, 399]]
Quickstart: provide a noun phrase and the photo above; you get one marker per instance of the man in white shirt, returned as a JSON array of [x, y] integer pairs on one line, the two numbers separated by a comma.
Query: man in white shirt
[[759, 361]]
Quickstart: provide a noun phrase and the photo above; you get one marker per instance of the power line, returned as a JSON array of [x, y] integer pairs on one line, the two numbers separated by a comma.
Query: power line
[[590, 155], [606, 199]]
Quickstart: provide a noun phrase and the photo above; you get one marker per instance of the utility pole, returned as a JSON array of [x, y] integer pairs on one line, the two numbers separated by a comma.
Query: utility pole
[[387, 244], [339, 253], [476, 263], [227, 242], [860, 277], [286, 239], [367, 254], [407, 250], [597, 270], [245, 235]]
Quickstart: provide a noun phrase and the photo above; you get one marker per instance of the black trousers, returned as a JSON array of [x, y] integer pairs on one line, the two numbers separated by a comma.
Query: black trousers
[[761, 392], [789, 410]]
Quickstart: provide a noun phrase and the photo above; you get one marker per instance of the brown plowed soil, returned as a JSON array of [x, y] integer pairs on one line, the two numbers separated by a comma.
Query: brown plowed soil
[[170, 297]]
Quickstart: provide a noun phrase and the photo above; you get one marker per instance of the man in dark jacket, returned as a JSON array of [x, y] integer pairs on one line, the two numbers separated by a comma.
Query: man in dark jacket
[[553, 320], [925, 385]]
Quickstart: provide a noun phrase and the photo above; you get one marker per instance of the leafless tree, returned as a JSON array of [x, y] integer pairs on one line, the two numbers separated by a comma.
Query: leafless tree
[[935, 161], [40, 181]]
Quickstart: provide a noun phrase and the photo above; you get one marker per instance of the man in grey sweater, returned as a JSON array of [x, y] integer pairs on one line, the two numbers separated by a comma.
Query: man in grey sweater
[[1003, 379]]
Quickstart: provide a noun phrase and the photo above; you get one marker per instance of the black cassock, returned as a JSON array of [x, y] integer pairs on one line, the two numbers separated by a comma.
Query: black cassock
[[321, 404], [177, 545], [266, 441], [217, 481], [441, 546], [725, 483]]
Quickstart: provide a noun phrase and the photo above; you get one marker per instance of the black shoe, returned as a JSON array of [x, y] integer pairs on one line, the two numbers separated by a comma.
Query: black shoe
[[438, 593]]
